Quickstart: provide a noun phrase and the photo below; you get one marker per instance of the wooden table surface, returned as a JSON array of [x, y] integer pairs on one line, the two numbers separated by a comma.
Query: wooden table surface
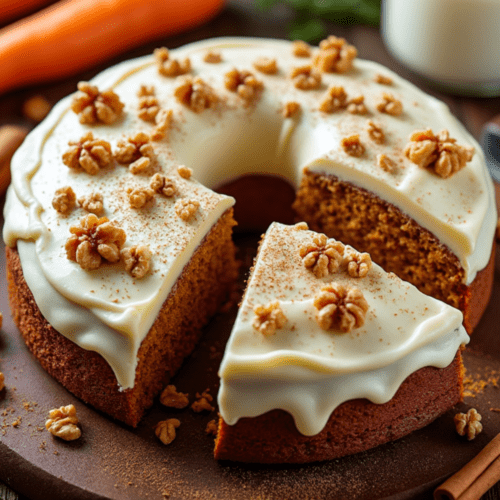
[[240, 18]]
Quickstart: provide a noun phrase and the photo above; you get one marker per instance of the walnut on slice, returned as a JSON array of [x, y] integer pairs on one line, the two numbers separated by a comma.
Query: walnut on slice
[[306, 77], [164, 185], [340, 308], [137, 260], [63, 423], [93, 106], [382, 79], [358, 264], [184, 172], [64, 200], [266, 65], [244, 84], [334, 99], [92, 203], [468, 424], [148, 103], [137, 151], [195, 94], [352, 146], [139, 196], [163, 122], [390, 105], [375, 132], [356, 105], [439, 153], [165, 430], [186, 209], [269, 318], [203, 401], [335, 55], [173, 399], [88, 154], [301, 49], [386, 163], [212, 57], [291, 109], [322, 256], [94, 239], [170, 67]]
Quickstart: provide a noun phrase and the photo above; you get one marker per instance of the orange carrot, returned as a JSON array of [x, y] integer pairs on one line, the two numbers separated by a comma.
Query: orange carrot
[[10, 9], [73, 35]]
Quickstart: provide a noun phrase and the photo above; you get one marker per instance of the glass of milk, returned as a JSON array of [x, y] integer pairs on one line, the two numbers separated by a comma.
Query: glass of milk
[[454, 44]]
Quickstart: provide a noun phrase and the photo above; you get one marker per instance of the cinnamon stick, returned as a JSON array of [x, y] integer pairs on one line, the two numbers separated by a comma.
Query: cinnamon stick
[[11, 137], [475, 478]]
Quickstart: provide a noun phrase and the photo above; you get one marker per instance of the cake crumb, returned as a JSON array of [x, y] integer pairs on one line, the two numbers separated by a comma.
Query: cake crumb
[[165, 430], [269, 318], [211, 428], [173, 399], [203, 401], [63, 422], [468, 424]]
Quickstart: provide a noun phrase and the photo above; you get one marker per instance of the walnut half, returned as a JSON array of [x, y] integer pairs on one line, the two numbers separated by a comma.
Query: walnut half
[[137, 260], [269, 318], [63, 422], [468, 424]]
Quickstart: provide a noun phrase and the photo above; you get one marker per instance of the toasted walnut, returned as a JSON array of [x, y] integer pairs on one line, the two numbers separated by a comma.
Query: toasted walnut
[[266, 65], [269, 318], [184, 172], [165, 430], [170, 67], [93, 106], [301, 226], [212, 57], [358, 264], [385, 163], [163, 185], [291, 109], [301, 49], [2, 381], [335, 55], [186, 209], [64, 200], [138, 197], [375, 132], [323, 256], [390, 105], [148, 108], [63, 422], [173, 399], [340, 308], [468, 424], [94, 239], [306, 78], [244, 84], [352, 146], [211, 428], [137, 260], [439, 153], [334, 99], [356, 106], [137, 151], [382, 79], [146, 90], [163, 122], [92, 203], [203, 401], [195, 94], [88, 154]]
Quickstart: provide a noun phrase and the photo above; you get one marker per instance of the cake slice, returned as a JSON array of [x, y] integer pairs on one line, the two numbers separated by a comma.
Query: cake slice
[[330, 355]]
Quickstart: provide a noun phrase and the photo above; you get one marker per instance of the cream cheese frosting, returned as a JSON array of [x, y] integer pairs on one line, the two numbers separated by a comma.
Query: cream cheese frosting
[[308, 371], [221, 144]]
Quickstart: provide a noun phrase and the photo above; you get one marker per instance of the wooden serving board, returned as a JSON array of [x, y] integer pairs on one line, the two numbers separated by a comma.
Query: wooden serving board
[[113, 461]]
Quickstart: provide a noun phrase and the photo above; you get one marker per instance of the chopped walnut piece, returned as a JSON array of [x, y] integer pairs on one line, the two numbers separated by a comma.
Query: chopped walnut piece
[[165, 430], [2, 381], [92, 203], [358, 264], [138, 197], [195, 94], [301, 49], [266, 65], [352, 146], [334, 99], [291, 109], [137, 151], [64, 200], [244, 84], [269, 318], [186, 209], [375, 132], [88, 154], [170, 67], [137, 260], [203, 401], [148, 108], [390, 105], [301, 226], [323, 256], [385, 163], [340, 308], [163, 185], [356, 106], [382, 79], [94, 239], [184, 172], [211, 428], [439, 153], [163, 122], [173, 399], [63, 422], [212, 57], [93, 106], [468, 424], [306, 78], [335, 55], [146, 90]]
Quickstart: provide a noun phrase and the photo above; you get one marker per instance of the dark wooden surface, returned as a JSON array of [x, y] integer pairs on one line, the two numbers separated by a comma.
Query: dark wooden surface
[[240, 18]]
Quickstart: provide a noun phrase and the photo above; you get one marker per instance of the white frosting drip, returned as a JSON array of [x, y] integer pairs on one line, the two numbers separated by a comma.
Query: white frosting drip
[[219, 145], [307, 371]]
